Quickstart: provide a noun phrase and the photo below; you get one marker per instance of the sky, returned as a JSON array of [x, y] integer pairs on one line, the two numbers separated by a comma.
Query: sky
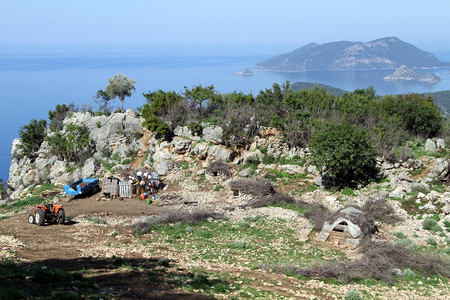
[[216, 26]]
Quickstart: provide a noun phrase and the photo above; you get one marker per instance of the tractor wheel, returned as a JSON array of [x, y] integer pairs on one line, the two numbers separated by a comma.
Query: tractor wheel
[[31, 219], [40, 217], [61, 216]]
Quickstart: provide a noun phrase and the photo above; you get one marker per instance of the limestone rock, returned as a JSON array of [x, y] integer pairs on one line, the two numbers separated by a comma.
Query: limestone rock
[[181, 145], [292, 169], [246, 172], [398, 192], [212, 134], [430, 145], [440, 144]]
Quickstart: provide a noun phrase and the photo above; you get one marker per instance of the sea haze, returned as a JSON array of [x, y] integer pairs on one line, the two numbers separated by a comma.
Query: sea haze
[[32, 85]]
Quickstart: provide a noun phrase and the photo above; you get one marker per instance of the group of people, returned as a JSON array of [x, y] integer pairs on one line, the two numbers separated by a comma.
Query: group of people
[[145, 183]]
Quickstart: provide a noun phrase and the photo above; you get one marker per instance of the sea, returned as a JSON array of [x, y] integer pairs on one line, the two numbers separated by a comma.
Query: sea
[[32, 84]]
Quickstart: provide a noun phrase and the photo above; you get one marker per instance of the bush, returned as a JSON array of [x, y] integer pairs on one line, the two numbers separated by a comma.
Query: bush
[[344, 154], [352, 295], [317, 213], [400, 235], [253, 186], [431, 241], [428, 224], [73, 146], [32, 136], [381, 210], [219, 167], [58, 115], [377, 258]]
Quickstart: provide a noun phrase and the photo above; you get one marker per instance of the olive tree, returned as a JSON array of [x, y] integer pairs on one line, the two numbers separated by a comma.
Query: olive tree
[[120, 86]]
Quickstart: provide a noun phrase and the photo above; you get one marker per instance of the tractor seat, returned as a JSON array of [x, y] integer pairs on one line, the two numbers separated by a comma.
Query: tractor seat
[[49, 206]]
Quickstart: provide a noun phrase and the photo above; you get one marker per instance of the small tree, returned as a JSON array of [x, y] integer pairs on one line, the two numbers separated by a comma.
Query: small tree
[[120, 86], [102, 98], [32, 136], [344, 155]]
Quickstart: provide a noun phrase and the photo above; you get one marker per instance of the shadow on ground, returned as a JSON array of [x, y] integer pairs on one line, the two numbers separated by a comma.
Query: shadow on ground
[[119, 278]]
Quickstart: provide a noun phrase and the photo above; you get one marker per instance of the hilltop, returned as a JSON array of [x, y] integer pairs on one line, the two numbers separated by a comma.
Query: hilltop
[[384, 53], [249, 183]]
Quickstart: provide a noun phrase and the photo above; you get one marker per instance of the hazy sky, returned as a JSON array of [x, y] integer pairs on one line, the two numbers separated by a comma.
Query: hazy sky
[[247, 26]]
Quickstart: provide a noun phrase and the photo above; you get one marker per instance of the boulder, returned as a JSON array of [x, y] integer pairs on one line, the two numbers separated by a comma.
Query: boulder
[[312, 169], [430, 145], [441, 171], [212, 134], [220, 153], [292, 169], [89, 168], [181, 145], [246, 172], [440, 144], [201, 150], [398, 192]]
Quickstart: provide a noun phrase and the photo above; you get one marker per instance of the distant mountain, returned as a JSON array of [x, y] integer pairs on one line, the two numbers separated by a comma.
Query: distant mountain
[[405, 73], [298, 86], [385, 53]]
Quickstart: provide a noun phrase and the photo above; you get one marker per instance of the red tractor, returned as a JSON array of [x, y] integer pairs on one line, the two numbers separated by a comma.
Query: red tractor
[[51, 213]]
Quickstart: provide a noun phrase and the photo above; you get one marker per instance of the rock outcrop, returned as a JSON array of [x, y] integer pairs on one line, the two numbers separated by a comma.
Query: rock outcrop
[[405, 73]]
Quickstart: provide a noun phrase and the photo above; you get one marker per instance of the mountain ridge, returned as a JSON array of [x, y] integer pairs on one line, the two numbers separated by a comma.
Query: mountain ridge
[[383, 53]]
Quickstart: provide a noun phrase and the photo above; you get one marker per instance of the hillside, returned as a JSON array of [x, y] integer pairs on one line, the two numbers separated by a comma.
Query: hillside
[[384, 53], [442, 99], [201, 240], [300, 85], [258, 197]]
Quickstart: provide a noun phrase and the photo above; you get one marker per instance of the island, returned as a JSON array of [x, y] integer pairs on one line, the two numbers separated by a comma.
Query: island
[[384, 53], [406, 73], [244, 72]]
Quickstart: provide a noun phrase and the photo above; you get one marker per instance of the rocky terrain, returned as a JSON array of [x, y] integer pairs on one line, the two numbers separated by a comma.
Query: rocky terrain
[[237, 251], [405, 73]]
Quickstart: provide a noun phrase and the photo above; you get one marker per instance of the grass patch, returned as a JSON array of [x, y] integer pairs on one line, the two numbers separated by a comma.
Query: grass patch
[[21, 204]]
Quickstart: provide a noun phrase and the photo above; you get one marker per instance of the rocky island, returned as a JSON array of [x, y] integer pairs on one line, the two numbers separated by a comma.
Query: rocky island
[[405, 73], [384, 53]]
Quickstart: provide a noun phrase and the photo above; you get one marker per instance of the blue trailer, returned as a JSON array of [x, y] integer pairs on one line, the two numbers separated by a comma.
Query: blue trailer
[[81, 186]]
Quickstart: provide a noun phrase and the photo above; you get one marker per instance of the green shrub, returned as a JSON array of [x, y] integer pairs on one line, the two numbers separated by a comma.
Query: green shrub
[[32, 136], [447, 250], [427, 224], [407, 243], [400, 235], [409, 273], [58, 115], [436, 228], [431, 241], [344, 153], [352, 295], [74, 145]]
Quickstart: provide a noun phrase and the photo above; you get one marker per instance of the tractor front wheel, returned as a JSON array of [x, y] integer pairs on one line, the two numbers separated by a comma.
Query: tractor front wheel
[[40, 217], [61, 216], [31, 219]]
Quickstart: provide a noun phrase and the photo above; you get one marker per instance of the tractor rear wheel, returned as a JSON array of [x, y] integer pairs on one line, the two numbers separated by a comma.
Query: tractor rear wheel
[[40, 217], [61, 216], [31, 219]]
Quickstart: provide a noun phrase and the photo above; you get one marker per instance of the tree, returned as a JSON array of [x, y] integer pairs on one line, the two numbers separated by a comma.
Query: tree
[[120, 86], [58, 115], [102, 99], [344, 155], [32, 136]]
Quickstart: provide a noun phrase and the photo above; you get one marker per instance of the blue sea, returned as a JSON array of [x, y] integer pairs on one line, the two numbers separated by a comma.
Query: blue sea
[[31, 85]]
